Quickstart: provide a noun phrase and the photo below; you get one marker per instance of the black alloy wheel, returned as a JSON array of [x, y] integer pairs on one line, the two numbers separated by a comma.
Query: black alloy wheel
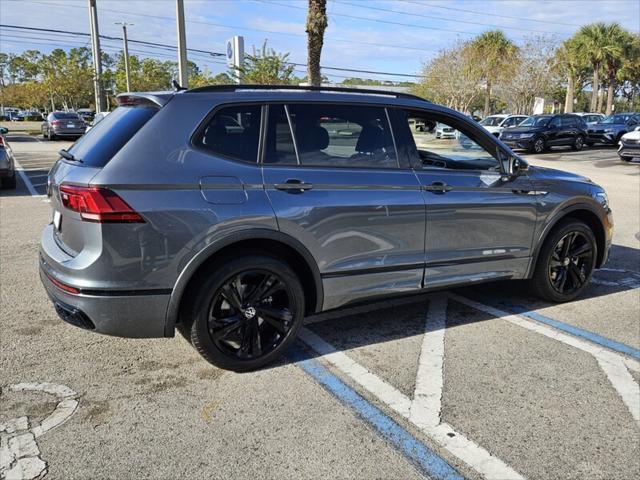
[[245, 313], [250, 314], [539, 145], [578, 143], [566, 262], [570, 263]]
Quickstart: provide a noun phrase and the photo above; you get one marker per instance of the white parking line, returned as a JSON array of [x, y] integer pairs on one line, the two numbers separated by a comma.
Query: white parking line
[[26, 180], [424, 410]]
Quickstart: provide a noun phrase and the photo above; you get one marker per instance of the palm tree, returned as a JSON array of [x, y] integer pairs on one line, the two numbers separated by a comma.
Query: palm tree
[[570, 62], [496, 56], [316, 24], [592, 39], [619, 44]]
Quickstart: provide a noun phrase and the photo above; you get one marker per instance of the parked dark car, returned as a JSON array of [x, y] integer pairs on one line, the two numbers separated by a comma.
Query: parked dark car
[[63, 125], [166, 216], [541, 132], [7, 162], [611, 129]]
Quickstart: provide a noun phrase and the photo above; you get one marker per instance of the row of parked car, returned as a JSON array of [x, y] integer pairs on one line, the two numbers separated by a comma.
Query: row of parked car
[[538, 133], [68, 124]]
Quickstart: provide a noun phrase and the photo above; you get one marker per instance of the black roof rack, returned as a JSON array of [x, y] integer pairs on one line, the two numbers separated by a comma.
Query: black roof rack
[[365, 91]]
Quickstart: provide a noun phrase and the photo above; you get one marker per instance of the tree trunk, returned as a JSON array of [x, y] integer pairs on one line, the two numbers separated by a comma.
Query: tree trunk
[[487, 99], [316, 24], [610, 94], [568, 100], [600, 98], [595, 88]]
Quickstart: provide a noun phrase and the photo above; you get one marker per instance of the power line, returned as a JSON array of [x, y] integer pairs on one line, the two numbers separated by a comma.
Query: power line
[[251, 29], [216, 54], [488, 14], [457, 20]]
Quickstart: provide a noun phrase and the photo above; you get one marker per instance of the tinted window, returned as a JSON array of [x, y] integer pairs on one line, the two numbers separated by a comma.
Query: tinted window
[[536, 122], [233, 132], [569, 122], [451, 145], [279, 147], [333, 136], [65, 116], [98, 145], [555, 122], [492, 121]]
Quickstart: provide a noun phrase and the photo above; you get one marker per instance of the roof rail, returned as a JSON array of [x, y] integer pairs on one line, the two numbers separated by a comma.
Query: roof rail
[[363, 91]]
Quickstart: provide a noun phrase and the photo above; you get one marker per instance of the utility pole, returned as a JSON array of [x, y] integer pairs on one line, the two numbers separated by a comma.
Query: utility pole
[[182, 45], [97, 57], [126, 52]]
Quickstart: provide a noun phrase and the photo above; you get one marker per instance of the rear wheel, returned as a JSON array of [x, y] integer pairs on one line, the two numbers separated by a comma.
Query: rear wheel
[[565, 263], [578, 143], [246, 313], [625, 158]]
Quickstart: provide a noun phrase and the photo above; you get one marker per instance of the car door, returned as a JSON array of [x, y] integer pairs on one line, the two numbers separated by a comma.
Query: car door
[[554, 132], [569, 130], [479, 223], [334, 180]]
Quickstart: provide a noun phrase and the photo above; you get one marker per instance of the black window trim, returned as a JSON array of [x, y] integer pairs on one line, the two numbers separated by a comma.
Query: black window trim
[[385, 107]]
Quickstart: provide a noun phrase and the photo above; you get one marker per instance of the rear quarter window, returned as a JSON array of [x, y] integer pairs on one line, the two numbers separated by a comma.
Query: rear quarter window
[[96, 147]]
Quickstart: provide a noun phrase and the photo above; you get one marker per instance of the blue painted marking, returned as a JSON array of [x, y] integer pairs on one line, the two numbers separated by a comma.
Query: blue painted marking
[[578, 332], [425, 459]]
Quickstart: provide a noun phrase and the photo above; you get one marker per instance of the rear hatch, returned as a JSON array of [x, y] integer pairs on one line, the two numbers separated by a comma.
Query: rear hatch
[[78, 210]]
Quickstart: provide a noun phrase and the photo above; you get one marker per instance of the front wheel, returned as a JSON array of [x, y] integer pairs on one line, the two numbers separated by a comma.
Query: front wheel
[[538, 146], [246, 313], [625, 158], [9, 183], [565, 263], [578, 143]]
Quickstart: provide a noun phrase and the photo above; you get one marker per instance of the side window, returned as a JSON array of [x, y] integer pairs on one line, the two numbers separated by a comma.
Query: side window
[[279, 146], [233, 132], [509, 122], [555, 122], [569, 122], [451, 143], [329, 135]]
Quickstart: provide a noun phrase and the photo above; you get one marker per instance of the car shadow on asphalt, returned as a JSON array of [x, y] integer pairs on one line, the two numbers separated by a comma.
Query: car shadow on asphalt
[[402, 317], [21, 189]]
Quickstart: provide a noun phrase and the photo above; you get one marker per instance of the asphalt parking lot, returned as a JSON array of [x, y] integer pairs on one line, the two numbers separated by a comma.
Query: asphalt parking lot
[[483, 382]]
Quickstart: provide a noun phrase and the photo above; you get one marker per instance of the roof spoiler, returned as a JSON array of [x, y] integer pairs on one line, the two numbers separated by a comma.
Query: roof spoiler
[[141, 99]]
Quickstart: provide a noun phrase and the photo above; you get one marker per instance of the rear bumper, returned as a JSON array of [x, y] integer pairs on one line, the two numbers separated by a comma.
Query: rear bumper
[[68, 132], [134, 314]]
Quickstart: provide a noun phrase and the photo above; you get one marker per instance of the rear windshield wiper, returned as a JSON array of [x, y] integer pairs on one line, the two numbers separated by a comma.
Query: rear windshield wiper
[[69, 156]]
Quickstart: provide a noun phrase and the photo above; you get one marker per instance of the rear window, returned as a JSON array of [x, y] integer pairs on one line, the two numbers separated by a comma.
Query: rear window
[[96, 147], [66, 116]]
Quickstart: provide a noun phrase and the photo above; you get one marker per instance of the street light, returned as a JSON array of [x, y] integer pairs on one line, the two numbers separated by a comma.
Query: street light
[[126, 51]]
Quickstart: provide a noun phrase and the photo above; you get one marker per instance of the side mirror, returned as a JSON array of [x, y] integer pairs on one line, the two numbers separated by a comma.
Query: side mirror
[[637, 129], [512, 166], [4, 130]]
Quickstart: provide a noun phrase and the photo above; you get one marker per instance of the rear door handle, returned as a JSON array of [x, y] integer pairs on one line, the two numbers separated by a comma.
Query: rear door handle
[[293, 185], [438, 187]]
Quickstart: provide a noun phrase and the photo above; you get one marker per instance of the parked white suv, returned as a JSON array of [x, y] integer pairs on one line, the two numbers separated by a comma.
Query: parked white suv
[[495, 124]]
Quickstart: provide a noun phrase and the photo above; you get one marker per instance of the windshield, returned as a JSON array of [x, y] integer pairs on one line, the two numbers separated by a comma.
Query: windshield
[[535, 122], [492, 121], [616, 119]]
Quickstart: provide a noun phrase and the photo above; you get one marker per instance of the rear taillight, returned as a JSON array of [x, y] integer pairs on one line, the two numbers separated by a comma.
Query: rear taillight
[[97, 204], [1, 141], [56, 122]]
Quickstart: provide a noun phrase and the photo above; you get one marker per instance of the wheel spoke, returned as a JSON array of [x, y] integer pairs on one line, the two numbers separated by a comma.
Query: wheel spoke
[[576, 275], [561, 279], [566, 245], [580, 250], [245, 343], [266, 287], [231, 295], [236, 323], [256, 341]]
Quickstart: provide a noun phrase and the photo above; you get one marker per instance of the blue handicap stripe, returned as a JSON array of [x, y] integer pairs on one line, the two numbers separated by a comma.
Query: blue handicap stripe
[[425, 459], [576, 331]]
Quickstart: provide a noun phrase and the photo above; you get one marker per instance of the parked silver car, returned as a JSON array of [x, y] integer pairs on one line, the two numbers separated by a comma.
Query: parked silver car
[[61, 125], [7, 162], [167, 216]]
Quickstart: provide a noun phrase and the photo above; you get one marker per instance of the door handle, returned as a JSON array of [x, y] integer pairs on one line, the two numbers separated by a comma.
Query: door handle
[[293, 185], [438, 187]]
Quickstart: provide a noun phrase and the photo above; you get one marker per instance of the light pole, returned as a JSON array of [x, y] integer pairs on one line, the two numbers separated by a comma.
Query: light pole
[[97, 59], [182, 45], [126, 52]]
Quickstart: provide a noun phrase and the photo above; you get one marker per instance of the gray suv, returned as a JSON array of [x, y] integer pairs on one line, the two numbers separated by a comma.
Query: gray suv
[[230, 213]]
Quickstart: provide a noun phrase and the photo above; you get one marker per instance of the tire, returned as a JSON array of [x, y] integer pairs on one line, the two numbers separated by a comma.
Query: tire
[[561, 276], [578, 143], [420, 129], [538, 146], [626, 159], [9, 183], [590, 144], [229, 328]]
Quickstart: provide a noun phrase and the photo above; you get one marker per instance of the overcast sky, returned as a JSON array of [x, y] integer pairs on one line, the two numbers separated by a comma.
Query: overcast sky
[[362, 34]]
